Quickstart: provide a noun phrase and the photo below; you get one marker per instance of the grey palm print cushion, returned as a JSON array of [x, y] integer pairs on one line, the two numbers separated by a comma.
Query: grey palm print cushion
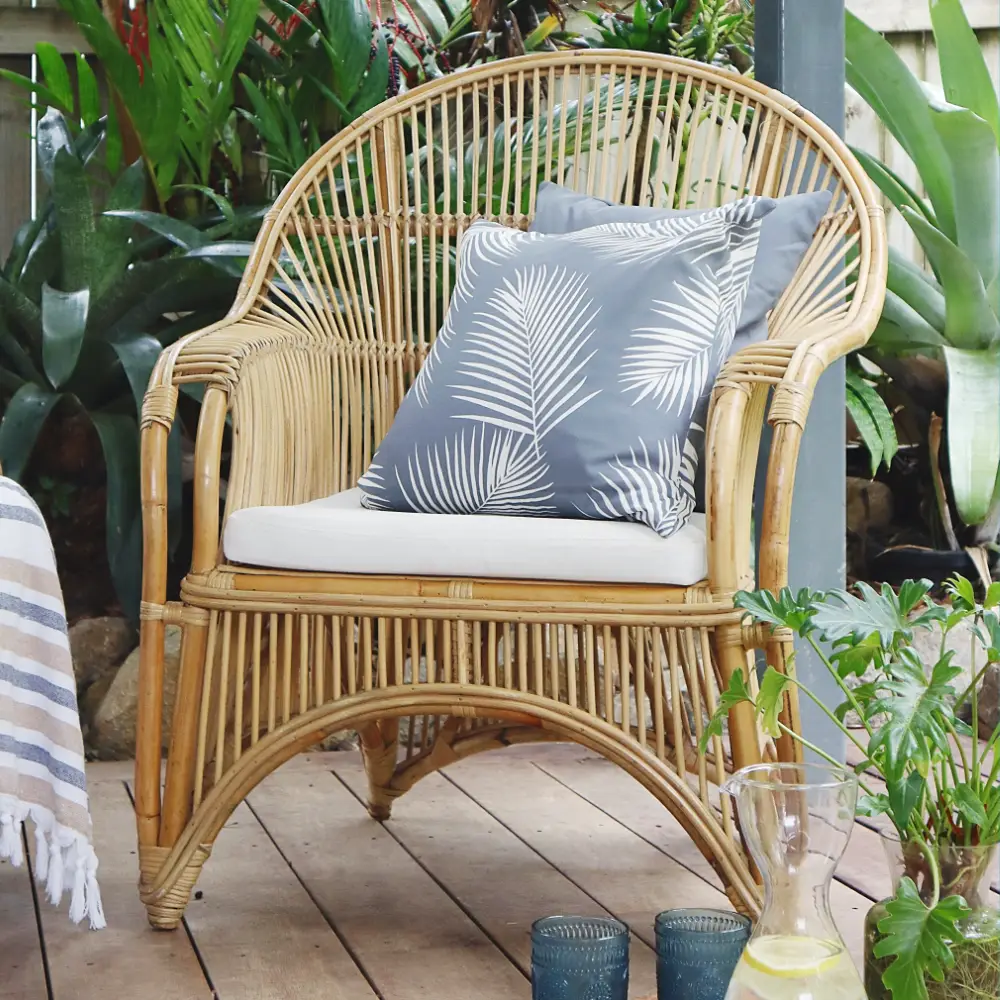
[[564, 379]]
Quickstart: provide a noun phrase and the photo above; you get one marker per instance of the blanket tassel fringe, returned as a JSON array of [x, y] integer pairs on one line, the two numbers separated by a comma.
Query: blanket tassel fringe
[[63, 860]]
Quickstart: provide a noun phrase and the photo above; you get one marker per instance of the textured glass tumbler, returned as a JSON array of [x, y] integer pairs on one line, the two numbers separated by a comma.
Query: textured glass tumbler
[[579, 958], [697, 951]]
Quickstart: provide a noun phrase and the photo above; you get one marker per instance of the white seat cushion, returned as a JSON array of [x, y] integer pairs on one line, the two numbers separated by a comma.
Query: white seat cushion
[[338, 535]]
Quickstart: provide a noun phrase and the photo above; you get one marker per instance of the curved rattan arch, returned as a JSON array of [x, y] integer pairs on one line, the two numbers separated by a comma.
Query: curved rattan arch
[[339, 304], [180, 864]]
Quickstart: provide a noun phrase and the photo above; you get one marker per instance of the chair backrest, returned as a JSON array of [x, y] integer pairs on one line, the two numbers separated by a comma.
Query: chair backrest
[[359, 253]]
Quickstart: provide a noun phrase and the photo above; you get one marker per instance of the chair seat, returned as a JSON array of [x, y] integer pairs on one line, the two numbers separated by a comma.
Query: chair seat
[[338, 535]]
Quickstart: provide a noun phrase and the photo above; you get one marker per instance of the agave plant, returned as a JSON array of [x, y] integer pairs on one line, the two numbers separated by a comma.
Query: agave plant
[[953, 139], [87, 303]]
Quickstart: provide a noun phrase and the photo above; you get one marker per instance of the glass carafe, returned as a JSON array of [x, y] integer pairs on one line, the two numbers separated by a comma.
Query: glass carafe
[[796, 820]]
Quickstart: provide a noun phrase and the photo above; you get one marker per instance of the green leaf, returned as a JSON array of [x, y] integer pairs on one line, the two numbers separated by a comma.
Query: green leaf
[[904, 796], [872, 805], [911, 593], [969, 805], [971, 146], [854, 658], [64, 321], [964, 72], [56, 76], [25, 415], [375, 83], [876, 71], [917, 289], [119, 435], [915, 707], [841, 615], [969, 318], [973, 427], [872, 418], [349, 36], [52, 135], [86, 84], [75, 215], [793, 611], [910, 331], [917, 937], [892, 185], [771, 700], [138, 355], [113, 248], [736, 694], [183, 234]]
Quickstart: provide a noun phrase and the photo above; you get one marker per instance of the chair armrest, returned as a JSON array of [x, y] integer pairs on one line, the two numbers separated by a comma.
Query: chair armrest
[[791, 367], [260, 376]]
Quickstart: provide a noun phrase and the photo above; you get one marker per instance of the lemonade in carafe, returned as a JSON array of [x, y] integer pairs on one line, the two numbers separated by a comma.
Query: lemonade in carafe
[[796, 820]]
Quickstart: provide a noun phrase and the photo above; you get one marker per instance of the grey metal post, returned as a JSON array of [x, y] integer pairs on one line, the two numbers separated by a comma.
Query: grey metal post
[[800, 51]]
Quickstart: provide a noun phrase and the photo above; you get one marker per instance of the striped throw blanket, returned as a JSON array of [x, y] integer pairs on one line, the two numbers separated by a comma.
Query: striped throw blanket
[[41, 747]]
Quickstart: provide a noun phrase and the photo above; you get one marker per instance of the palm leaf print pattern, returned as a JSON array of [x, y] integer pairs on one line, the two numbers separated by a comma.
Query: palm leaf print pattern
[[673, 362], [657, 490], [503, 475], [523, 368], [486, 246]]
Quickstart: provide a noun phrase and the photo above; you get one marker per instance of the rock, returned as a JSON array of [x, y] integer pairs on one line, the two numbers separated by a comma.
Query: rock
[[869, 505], [98, 646], [111, 734], [989, 702]]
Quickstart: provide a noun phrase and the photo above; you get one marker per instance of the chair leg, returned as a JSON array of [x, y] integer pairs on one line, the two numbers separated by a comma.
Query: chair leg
[[165, 904], [379, 748]]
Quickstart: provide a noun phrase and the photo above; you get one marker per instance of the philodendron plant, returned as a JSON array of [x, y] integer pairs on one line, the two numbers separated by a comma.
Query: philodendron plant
[[916, 770], [953, 138]]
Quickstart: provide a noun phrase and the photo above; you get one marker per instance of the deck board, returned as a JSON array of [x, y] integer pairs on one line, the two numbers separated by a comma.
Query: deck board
[[119, 960], [279, 944], [22, 973], [493, 874], [306, 896], [411, 939]]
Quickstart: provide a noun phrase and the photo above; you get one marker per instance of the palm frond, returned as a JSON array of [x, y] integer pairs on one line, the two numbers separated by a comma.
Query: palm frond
[[473, 473], [522, 367], [627, 243]]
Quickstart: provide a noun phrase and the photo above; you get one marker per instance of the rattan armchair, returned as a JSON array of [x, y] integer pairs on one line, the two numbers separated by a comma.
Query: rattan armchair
[[340, 301]]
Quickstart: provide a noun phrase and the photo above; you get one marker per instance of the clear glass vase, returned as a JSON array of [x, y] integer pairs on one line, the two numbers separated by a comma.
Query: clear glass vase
[[796, 820], [965, 872]]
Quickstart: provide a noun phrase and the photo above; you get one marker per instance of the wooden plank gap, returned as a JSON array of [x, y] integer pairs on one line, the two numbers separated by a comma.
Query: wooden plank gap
[[441, 885], [348, 947]]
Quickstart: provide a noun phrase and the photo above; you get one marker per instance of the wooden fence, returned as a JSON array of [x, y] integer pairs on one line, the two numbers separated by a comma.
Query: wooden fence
[[23, 23]]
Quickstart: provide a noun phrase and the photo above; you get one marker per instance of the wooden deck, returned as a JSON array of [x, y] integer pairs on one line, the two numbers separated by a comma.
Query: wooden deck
[[306, 897]]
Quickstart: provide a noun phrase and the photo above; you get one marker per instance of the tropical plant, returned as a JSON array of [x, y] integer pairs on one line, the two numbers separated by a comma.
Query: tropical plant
[[313, 70], [936, 794], [712, 31], [87, 303], [870, 413], [953, 139]]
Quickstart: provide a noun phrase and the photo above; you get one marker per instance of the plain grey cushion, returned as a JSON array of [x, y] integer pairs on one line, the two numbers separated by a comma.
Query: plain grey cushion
[[565, 377], [785, 236]]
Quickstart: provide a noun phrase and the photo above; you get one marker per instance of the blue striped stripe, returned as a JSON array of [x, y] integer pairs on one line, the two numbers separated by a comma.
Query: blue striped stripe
[[9, 484], [33, 612], [29, 751], [26, 514], [38, 685]]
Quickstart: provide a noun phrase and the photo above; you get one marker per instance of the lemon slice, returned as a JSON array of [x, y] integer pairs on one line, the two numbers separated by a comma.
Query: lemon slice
[[790, 957]]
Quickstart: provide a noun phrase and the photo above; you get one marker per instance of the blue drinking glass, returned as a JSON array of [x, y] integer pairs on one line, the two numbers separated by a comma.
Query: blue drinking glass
[[697, 952], [579, 958]]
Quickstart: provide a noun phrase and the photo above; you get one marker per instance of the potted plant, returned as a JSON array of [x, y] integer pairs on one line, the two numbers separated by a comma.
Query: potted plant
[[939, 936], [952, 311]]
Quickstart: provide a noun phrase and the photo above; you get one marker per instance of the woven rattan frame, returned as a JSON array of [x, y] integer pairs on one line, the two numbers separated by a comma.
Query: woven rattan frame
[[339, 303]]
